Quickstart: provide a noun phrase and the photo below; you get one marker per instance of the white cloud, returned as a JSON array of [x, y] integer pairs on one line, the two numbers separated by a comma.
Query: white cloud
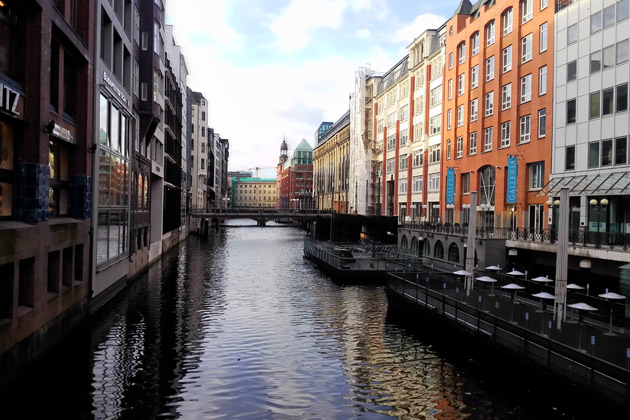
[[420, 24], [294, 25], [363, 33]]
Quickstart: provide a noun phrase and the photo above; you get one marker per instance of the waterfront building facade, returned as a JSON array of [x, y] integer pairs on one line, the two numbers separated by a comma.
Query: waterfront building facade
[[201, 140], [331, 167], [498, 112], [46, 159], [295, 177], [253, 193]]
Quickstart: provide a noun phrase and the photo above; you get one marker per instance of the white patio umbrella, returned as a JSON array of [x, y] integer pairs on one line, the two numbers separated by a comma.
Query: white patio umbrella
[[573, 286], [462, 273], [516, 273], [494, 268], [513, 288], [582, 307], [542, 279], [486, 279], [544, 296], [611, 296]]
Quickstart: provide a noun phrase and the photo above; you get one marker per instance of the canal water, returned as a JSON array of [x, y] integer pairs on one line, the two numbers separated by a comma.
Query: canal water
[[241, 326]]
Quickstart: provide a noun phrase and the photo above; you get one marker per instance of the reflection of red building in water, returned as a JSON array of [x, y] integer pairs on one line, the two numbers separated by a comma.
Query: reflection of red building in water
[[295, 177]]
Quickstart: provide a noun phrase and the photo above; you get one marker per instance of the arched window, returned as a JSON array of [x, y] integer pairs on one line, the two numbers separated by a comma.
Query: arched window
[[453, 253], [474, 44], [439, 250], [426, 249], [487, 181], [403, 242], [414, 245], [506, 21]]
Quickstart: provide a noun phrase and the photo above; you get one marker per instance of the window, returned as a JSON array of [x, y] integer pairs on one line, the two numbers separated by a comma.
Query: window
[[466, 183], [450, 61], [526, 88], [59, 186], [418, 158], [622, 51], [474, 77], [505, 134], [434, 154], [490, 34], [544, 4], [527, 9], [572, 34], [542, 80], [536, 175], [622, 10], [461, 84], [571, 111], [490, 68], [608, 60], [448, 149], [136, 78], [526, 125], [474, 44], [404, 113], [460, 115], [596, 61], [608, 101], [569, 162], [543, 37], [506, 18], [435, 97], [461, 52], [434, 182], [609, 16], [403, 162], [594, 106], [542, 123], [416, 184], [156, 37], [607, 152], [460, 146], [593, 154], [450, 89], [391, 142], [404, 136], [487, 139], [622, 98], [449, 119], [507, 59], [571, 71], [473, 109], [621, 151], [596, 22], [472, 143], [526, 48], [489, 104], [390, 165], [435, 125], [203, 131], [506, 96]]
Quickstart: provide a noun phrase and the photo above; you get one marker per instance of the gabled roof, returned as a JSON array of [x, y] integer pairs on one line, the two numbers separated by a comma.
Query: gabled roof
[[303, 146], [464, 8]]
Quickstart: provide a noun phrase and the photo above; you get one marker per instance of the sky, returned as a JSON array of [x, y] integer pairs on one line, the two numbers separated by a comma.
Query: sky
[[272, 69]]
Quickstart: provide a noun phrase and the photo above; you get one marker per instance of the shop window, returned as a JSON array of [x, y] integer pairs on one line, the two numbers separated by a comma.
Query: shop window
[[6, 170], [59, 186]]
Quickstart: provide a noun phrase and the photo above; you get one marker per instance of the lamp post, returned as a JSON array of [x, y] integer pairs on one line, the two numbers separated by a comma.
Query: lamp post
[[602, 204], [485, 207], [551, 204]]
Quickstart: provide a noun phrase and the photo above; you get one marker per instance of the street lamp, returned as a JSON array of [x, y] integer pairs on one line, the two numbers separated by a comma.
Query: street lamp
[[599, 206]]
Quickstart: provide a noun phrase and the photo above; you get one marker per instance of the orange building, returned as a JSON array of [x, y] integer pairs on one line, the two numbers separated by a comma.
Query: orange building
[[497, 118]]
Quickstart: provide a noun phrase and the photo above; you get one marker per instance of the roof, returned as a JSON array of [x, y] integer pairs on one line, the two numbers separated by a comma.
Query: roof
[[589, 184], [393, 75], [303, 146], [464, 8], [336, 127]]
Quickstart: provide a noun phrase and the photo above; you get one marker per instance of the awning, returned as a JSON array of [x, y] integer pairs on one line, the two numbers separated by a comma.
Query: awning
[[600, 184]]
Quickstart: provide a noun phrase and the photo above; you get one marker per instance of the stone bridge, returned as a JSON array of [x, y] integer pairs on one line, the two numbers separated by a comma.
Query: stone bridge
[[261, 216]]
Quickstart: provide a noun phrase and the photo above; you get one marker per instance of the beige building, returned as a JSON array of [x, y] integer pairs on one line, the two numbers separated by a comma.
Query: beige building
[[331, 167], [250, 193]]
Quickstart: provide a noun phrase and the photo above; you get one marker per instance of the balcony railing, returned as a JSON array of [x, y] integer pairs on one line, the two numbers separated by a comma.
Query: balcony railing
[[611, 240]]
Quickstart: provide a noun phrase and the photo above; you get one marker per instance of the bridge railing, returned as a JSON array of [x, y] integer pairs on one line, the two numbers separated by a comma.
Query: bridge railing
[[257, 210]]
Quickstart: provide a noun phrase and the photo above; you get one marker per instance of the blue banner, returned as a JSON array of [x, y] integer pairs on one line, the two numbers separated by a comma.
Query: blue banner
[[512, 176], [450, 186]]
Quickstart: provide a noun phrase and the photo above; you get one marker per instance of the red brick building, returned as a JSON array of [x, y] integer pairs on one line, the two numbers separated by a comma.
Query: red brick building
[[295, 178], [498, 81]]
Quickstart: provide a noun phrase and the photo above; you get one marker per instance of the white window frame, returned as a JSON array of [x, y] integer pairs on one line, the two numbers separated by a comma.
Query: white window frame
[[542, 113], [506, 96], [450, 89], [488, 104], [526, 88], [506, 128], [527, 7], [472, 143], [474, 109], [487, 139], [542, 80], [506, 21], [525, 130], [489, 68], [526, 48], [544, 4], [461, 52], [461, 84], [474, 77], [490, 29], [449, 119], [474, 44], [544, 37], [460, 115], [459, 147], [507, 59]]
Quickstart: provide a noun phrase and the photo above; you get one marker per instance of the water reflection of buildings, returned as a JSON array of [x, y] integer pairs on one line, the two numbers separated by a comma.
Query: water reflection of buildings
[[388, 371]]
